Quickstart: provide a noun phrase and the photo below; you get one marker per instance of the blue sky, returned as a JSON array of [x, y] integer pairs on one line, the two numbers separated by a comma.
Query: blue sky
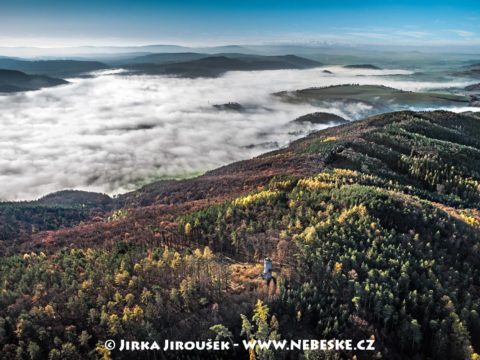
[[188, 22]]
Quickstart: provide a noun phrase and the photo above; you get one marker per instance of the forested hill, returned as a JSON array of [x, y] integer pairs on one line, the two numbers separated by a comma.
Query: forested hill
[[373, 228], [16, 81]]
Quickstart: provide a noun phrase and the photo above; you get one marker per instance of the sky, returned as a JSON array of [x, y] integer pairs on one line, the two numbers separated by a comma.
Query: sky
[[58, 23]]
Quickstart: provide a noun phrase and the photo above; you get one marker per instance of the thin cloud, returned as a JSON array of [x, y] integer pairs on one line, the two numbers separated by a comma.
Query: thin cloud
[[462, 33], [414, 34], [369, 35]]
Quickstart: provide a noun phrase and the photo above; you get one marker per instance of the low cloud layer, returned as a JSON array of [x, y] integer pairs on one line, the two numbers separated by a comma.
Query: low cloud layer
[[112, 133]]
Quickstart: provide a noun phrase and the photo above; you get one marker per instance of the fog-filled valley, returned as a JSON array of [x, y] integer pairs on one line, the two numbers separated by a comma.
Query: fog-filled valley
[[116, 129]]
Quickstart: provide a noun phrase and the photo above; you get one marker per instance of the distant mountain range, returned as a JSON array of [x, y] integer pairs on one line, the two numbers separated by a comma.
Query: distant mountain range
[[165, 58], [15, 81], [211, 66], [22, 75], [204, 64], [57, 68], [114, 51]]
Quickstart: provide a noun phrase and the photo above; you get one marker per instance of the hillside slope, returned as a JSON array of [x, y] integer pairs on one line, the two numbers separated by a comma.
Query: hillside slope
[[15, 81], [379, 98], [373, 228], [19, 220]]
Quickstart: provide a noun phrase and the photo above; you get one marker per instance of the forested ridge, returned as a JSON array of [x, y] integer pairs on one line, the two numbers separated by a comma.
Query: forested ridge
[[373, 228], [19, 220]]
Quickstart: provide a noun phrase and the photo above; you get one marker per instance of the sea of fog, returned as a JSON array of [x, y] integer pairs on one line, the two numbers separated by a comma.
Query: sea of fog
[[112, 133]]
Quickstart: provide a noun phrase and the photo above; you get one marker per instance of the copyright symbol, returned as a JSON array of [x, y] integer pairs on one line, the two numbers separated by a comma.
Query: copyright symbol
[[110, 344]]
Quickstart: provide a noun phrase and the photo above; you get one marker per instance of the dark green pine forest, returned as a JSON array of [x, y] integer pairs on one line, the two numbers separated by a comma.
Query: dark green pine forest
[[373, 228]]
